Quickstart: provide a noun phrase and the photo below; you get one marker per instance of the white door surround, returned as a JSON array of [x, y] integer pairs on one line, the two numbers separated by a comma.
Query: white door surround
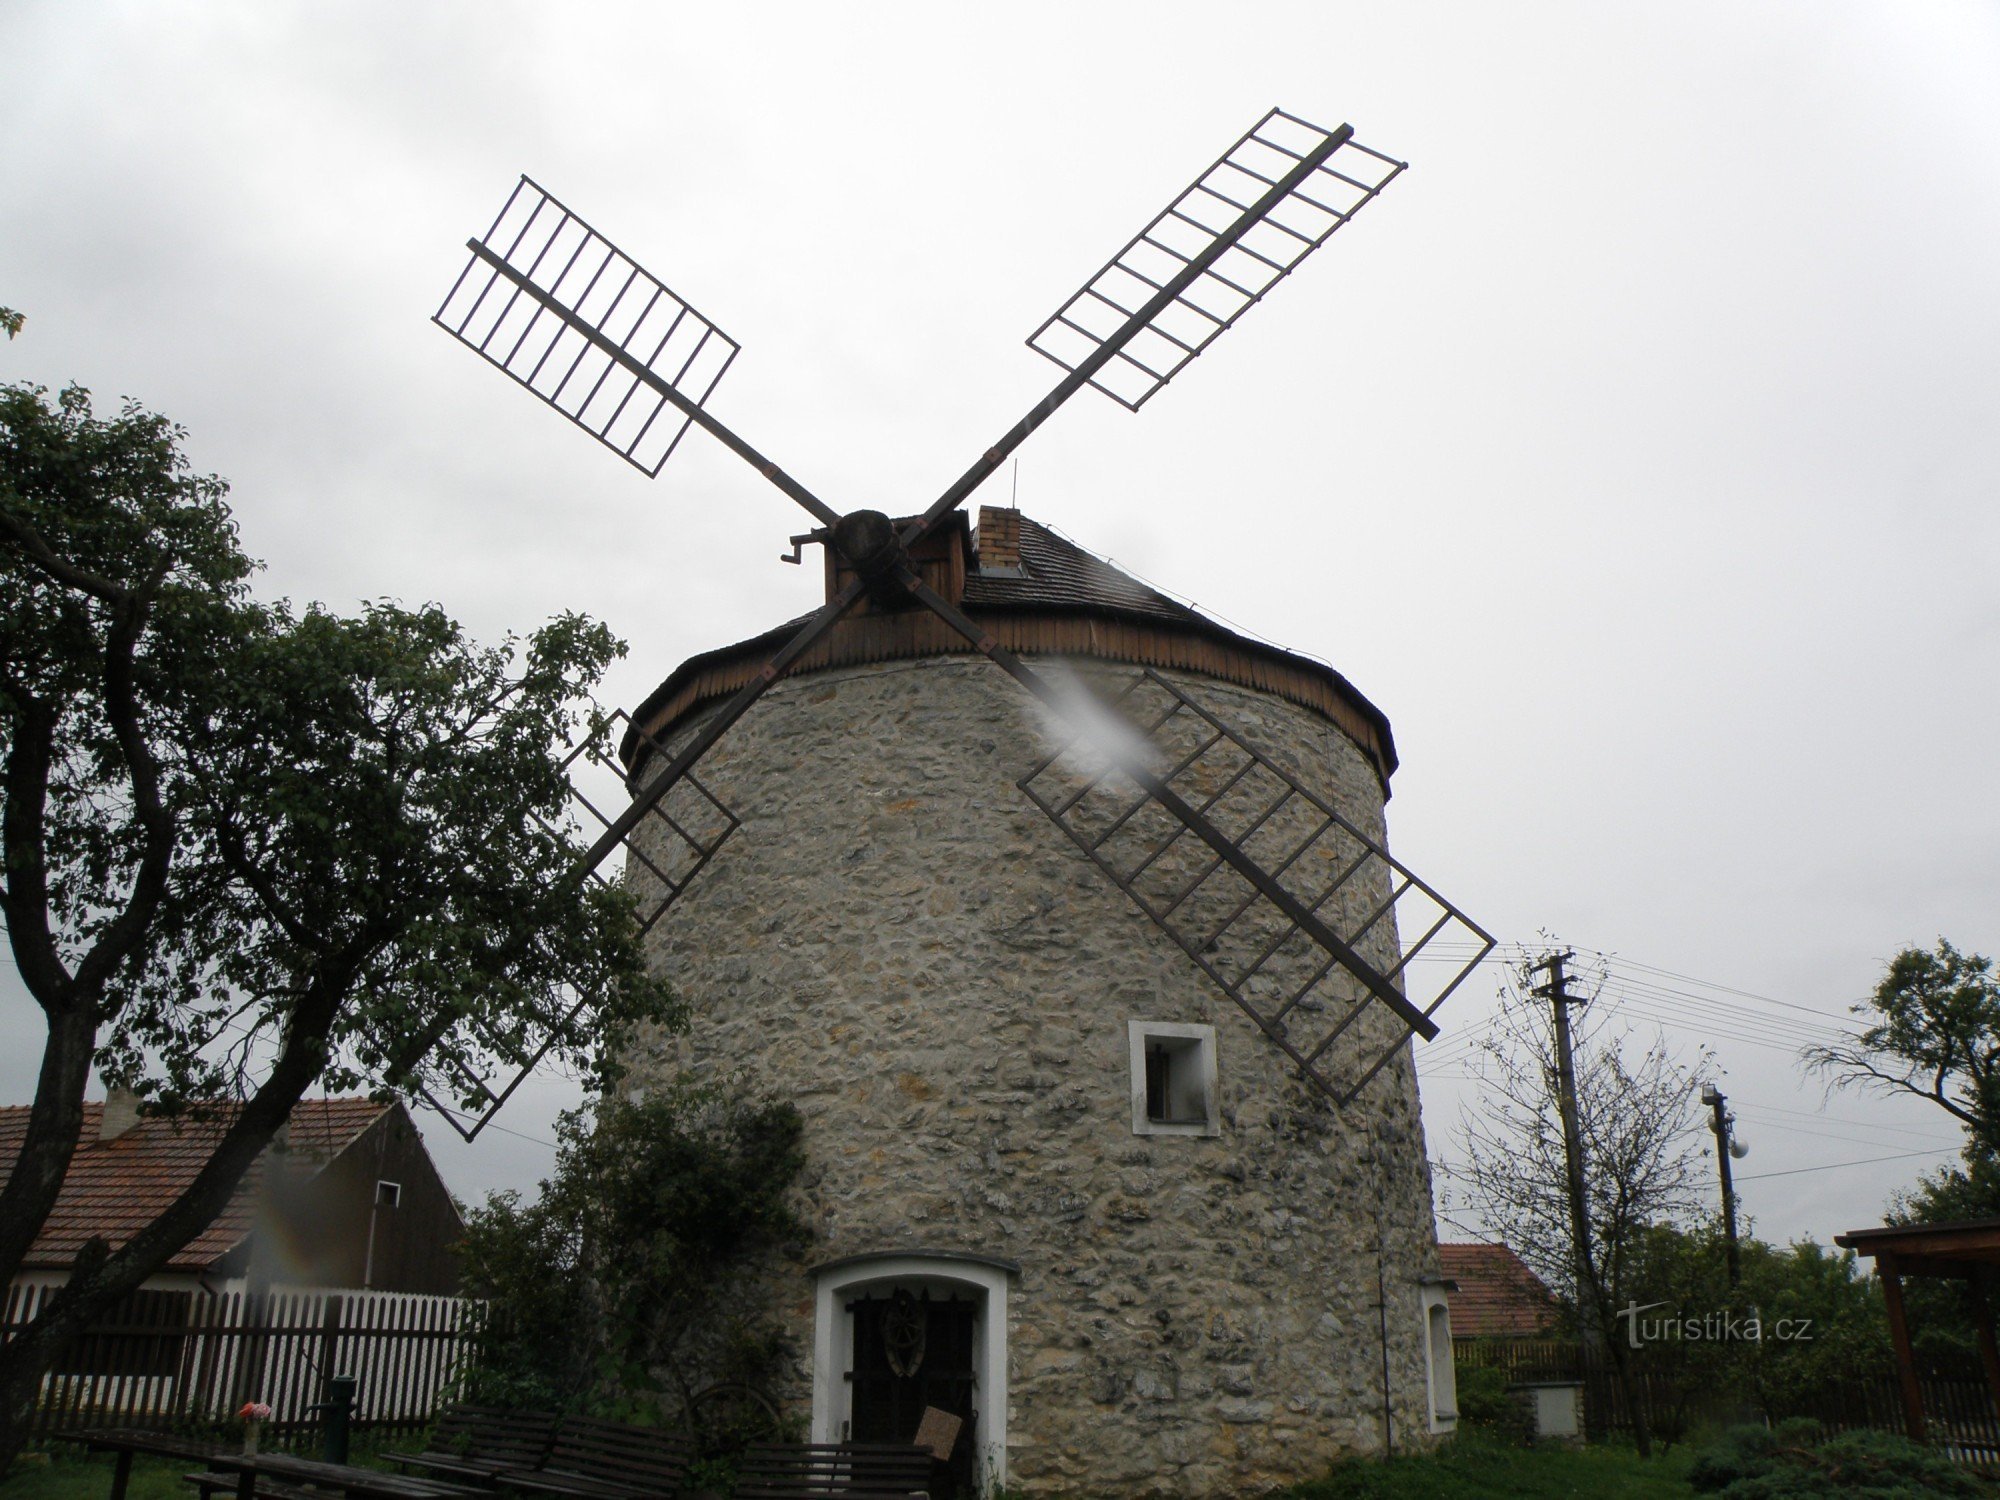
[[833, 1337]]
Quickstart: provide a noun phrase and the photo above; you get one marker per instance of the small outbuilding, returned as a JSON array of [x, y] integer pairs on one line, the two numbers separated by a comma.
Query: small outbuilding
[[346, 1198]]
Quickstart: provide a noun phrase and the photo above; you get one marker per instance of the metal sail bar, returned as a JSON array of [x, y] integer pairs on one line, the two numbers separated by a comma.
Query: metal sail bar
[[1326, 178], [564, 312]]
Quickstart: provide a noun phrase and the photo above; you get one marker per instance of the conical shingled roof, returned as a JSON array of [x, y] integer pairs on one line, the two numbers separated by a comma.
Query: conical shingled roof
[[1040, 599], [1055, 573]]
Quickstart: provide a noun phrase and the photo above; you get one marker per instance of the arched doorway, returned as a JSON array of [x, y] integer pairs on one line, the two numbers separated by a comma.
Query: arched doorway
[[900, 1331]]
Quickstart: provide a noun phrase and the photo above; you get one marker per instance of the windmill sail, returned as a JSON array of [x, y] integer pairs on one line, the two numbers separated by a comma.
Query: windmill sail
[[1297, 183], [574, 319], [1299, 992]]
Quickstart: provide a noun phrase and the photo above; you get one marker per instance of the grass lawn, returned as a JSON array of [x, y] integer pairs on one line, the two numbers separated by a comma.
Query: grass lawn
[[65, 1472], [1476, 1467]]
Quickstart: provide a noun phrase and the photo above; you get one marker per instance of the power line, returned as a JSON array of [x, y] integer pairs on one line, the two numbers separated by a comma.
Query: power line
[[1818, 1115], [1748, 1030], [1835, 1167], [1662, 994], [1826, 1135], [1727, 989], [1621, 983], [1705, 1032]]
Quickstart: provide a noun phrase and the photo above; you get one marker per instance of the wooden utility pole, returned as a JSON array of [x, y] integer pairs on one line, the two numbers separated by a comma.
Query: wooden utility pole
[[1556, 992], [1725, 1144]]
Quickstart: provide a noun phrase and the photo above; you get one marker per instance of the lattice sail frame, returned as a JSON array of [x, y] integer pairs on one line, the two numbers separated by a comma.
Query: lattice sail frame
[[1333, 192], [1297, 992], [539, 277], [679, 833]]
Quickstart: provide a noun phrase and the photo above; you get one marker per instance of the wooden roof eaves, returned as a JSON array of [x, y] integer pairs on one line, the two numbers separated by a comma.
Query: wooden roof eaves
[[1969, 1241], [712, 675]]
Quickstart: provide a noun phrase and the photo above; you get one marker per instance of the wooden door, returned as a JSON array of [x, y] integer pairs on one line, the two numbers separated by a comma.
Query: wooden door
[[913, 1350]]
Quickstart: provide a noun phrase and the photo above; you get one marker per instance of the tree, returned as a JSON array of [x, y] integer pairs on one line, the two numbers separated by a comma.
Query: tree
[[1934, 1033], [1641, 1162], [1803, 1325], [617, 1281], [250, 851]]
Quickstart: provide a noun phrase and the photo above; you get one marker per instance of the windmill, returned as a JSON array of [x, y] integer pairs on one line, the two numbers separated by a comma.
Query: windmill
[[1221, 847]]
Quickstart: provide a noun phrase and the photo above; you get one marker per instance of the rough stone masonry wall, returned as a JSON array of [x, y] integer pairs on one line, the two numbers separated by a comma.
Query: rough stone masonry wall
[[898, 941]]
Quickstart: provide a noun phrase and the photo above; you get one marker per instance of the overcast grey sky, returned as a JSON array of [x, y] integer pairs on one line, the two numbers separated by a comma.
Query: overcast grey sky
[[1633, 453]]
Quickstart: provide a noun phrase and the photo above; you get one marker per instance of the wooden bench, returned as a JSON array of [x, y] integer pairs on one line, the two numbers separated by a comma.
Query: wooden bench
[[854, 1471], [472, 1443], [590, 1459], [310, 1479]]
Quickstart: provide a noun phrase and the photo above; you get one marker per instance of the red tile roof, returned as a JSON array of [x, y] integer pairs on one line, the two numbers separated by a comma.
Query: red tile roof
[[117, 1187], [1497, 1296]]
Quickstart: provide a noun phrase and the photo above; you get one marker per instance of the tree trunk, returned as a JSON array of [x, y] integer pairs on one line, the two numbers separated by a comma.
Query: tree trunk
[[24, 1360], [99, 1277], [20, 1380], [1634, 1393]]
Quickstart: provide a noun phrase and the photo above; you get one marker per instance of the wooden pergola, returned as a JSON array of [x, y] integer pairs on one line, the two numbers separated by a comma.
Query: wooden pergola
[[1967, 1251]]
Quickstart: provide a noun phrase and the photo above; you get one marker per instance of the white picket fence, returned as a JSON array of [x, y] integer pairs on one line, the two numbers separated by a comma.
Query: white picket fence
[[171, 1357]]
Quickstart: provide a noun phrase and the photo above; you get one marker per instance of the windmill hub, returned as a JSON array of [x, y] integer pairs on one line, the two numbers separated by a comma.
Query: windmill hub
[[868, 540]]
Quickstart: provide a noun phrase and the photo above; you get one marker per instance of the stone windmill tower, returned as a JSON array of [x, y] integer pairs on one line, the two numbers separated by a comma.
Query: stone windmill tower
[[1096, 999], [1126, 1241]]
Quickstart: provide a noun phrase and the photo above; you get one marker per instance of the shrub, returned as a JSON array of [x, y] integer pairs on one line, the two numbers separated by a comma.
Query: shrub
[[613, 1292], [1484, 1401], [1796, 1462]]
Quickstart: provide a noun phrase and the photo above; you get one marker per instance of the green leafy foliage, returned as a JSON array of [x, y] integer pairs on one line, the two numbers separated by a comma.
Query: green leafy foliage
[[1804, 1322], [1796, 1462], [388, 791], [251, 850], [352, 808], [1934, 1032], [1485, 1402], [615, 1283], [1477, 1465], [709, 1476]]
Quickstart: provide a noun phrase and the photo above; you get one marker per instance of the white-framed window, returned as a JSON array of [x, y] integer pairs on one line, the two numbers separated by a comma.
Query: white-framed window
[[1440, 1361], [1173, 1078], [388, 1194]]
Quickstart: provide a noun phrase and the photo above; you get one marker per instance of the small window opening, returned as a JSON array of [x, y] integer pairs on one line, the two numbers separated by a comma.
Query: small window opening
[[1173, 1078], [388, 1194], [1174, 1093]]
